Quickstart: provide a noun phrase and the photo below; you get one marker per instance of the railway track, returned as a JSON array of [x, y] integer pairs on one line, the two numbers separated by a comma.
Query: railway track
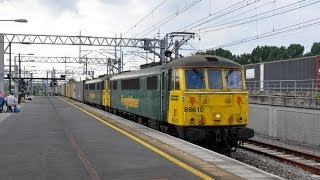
[[302, 160]]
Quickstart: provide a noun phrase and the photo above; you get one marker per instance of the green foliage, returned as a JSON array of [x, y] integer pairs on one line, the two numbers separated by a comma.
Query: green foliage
[[265, 53], [315, 49], [71, 80], [218, 52], [243, 58], [295, 51]]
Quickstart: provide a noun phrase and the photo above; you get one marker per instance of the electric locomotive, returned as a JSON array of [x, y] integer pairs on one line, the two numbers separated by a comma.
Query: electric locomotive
[[202, 99]]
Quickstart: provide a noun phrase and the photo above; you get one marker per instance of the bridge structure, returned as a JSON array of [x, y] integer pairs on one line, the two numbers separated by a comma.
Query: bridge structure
[[162, 48]]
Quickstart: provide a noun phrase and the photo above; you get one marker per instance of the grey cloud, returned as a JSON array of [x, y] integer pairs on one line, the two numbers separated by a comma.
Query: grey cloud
[[59, 6], [115, 2]]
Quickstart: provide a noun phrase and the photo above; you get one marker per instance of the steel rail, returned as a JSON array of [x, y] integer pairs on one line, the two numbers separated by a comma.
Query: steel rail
[[313, 169], [286, 150]]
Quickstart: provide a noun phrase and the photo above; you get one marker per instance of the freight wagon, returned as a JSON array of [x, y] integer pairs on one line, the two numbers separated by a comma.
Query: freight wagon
[[299, 74], [78, 91]]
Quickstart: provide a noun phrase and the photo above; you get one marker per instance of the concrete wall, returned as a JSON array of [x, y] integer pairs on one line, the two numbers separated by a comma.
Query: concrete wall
[[286, 123]]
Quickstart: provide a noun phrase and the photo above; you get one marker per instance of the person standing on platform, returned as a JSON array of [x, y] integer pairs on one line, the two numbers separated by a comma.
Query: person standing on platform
[[1, 101], [11, 101]]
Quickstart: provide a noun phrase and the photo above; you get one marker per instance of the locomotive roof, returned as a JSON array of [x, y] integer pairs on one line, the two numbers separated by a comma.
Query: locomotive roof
[[201, 61], [98, 79], [138, 73]]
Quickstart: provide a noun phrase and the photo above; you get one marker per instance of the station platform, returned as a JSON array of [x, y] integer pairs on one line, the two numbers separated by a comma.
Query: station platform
[[59, 138]]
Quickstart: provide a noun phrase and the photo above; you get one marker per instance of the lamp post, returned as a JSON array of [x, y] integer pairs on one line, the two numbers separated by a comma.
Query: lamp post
[[2, 54], [15, 20]]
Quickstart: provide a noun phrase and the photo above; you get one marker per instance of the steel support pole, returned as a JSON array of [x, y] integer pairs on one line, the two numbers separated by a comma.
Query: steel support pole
[[20, 81], [16, 84], [176, 49], [31, 84], [86, 67], [2, 63], [10, 74], [162, 49]]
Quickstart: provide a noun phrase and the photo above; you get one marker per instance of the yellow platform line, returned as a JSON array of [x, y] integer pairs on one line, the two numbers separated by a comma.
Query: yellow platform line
[[158, 151]]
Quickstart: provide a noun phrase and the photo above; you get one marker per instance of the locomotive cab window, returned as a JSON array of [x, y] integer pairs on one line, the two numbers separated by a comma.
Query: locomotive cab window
[[176, 80], [215, 79], [195, 78], [114, 85], [234, 79]]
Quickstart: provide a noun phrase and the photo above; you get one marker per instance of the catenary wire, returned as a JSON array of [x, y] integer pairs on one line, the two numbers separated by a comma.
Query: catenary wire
[[253, 20], [168, 18], [202, 19], [142, 19], [283, 30]]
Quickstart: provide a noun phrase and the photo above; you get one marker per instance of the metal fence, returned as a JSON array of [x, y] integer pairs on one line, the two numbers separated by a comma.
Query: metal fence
[[295, 88]]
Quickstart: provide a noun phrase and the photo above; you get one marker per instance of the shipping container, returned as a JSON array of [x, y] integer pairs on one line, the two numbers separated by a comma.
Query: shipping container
[[56, 90], [79, 90], [292, 74], [69, 90], [73, 91], [63, 89]]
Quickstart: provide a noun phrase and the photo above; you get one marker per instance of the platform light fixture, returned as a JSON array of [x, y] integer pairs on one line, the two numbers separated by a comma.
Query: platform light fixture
[[15, 20]]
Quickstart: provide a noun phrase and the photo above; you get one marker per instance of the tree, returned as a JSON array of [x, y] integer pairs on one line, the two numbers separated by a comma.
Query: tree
[[243, 58], [315, 49], [256, 55], [295, 51], [71, 80], [273, 53], [219, 52], [282, 53], [224, 53]]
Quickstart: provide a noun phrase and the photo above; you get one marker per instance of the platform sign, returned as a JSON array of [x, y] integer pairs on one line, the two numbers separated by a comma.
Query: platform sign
[[249, 73]]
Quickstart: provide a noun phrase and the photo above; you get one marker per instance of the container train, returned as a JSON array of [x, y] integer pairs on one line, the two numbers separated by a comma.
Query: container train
[[303, 73], [201, 99]]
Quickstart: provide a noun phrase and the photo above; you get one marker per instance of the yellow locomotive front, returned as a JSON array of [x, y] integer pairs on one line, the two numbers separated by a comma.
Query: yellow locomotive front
[[208, 102], [208, 97]]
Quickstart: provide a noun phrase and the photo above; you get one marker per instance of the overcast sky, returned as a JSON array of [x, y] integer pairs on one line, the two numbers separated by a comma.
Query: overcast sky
[[109, 18]]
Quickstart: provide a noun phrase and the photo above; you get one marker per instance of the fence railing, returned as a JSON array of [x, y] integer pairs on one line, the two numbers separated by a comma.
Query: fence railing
[[295, 88]]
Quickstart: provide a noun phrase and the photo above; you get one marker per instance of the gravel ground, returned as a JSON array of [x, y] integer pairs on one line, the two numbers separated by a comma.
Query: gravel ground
[[290, 145], [273, 166]]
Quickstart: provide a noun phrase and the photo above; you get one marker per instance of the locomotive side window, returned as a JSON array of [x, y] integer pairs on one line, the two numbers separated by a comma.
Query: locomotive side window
[[98, 86], [114, 85], [92, 86], [130, 84], [176, 80], [152, 83], [195, 79], [234, 79], [87, 87], [102, 86], [215, 79], [170, 80]]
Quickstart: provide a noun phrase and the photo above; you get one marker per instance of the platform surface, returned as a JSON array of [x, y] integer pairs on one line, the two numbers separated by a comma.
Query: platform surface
[[35, 145], [58, 138]]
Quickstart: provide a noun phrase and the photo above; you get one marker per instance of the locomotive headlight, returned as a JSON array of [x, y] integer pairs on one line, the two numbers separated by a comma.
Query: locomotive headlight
[[205, 100], [217, 117], [228, 100]]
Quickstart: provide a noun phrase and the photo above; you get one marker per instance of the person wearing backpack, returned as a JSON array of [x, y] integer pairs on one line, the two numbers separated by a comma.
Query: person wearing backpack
[[11, 101]]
